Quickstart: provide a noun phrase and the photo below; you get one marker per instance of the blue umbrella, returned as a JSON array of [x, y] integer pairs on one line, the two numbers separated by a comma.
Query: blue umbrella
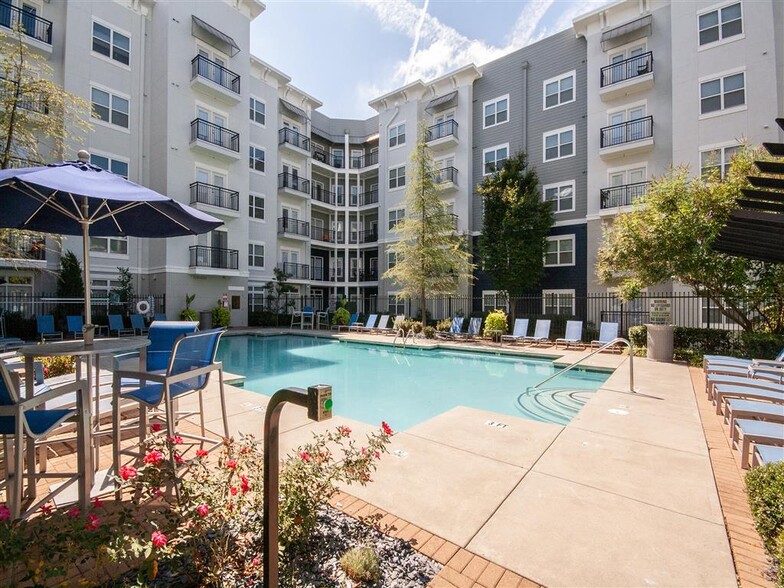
[[78, 198]]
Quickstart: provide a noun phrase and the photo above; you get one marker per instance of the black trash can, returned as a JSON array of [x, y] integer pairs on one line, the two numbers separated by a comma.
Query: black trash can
[[205, 320]]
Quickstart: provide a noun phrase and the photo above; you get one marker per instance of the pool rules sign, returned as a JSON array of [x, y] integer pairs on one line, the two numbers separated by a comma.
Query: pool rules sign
[[660, 312]]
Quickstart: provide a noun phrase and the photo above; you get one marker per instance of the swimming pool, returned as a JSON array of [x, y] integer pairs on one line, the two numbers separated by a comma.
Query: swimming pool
[[371, 383]]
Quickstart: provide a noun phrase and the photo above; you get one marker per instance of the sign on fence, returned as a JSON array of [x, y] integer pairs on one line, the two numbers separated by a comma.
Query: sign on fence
[[660, 311]]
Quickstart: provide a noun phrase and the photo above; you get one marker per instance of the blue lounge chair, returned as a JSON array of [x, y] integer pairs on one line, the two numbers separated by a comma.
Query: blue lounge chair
[[45, 326], [541, 332], [739, 408], [607, 332], [454, 329], [573, 335], [756, 432], [519, 331], [474, 329], [764, 454], [728, 359], [75, 325], [713, 380], [160, 316], [138, 325], [300, 317], [721, 392], [117, 326], [370, 323]]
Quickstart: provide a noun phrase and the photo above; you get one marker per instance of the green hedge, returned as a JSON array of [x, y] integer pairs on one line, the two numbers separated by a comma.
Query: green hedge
[[765, 487]]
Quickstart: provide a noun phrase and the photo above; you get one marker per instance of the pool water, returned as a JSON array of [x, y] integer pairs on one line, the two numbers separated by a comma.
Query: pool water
[[374, 383]]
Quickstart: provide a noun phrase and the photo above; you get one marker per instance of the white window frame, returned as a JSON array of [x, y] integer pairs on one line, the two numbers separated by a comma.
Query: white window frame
[[398, 185], [398, 304], [111, 158], [112, 95], [108, 252], [495, 149], [263, 255], [390, 255], [722, 149], [558, 132], [720, 77], [251, 201], [558, 239], [397, 144], [557, 203], [495, 101], [112, 29], [398, 217], [264, 114], [721, 40], [500, 294], [255, 159], [558, 293], [570, 74]]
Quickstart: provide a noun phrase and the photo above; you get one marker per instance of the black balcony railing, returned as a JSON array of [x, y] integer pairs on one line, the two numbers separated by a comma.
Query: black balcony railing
[[204, 130], [627, 69], [332, 159], [209, 70], [32, 25], [298, 271], [624, 195], [446, 174], [326, 235], [293, 226], [293, 182], [627, 132], [215, 257], [320, 193], [365, 198], [292, 137], [23, 247], [214, 196], [443, 129], [318, 274], [363, 276], [358, 162], [368, 236]]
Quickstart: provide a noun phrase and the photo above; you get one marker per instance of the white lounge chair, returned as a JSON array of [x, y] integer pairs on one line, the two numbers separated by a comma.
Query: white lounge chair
[[607, 332], [370, 323], [755, 432], [383, 325], [454, 329], [474, 328], [541, 332], [573, 335], [519, 331], [766, 454]]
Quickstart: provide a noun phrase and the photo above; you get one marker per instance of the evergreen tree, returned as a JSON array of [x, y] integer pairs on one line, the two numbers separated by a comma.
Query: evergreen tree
[[432, 258], [69, 282]]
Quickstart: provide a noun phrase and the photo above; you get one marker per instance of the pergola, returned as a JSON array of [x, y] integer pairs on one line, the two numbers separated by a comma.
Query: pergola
[[756, 227]]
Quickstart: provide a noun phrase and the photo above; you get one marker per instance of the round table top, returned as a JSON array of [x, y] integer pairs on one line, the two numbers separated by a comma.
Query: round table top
[[78, 347]]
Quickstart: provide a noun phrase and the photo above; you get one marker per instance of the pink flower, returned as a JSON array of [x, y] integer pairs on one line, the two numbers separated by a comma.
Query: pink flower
[[128, 472], [256, 562], [245, 485], [97, 503], [158, 539], [45, 508], [202, 453], [233, 490], [46, 372], [155, 427], [153, 457], [344, 431], [378, 455], [92, 523], [176, 440], [157, 492], [73, 512], [5, 514], [305, 456], [178, 458], [203, 510], [231, 464], [386, 428], [364, 451], [244, 450]]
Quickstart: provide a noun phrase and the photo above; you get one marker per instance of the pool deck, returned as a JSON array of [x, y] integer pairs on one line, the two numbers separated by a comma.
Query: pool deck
[[624, 495]]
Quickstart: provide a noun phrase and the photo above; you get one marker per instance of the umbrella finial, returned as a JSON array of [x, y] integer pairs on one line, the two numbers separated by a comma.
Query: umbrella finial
[[83, 156]]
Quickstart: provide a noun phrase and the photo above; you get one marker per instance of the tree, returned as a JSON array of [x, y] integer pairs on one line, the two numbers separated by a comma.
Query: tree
[[668, 235], [277, 289], [432, 258], [69, 281], [515, 226], [124, 289]]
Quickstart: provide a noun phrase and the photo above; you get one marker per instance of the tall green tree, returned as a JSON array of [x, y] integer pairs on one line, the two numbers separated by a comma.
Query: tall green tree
[[515, 226], [669, 235], [70, 283], [432, 259], [124, 290]]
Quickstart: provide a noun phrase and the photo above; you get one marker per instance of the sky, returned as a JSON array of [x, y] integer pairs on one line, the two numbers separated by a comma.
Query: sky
[[345, 53]]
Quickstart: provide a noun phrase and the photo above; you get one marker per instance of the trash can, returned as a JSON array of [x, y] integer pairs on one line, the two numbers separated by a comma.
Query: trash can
[[205, 320], [660, 342]]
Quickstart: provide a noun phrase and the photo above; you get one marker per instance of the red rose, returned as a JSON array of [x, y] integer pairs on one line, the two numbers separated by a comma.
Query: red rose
[[5, 514], [305, 456], [45, 508], [92, 523], [231, 464], [245, 485], [73, 512], [128, 472], [203, 510], [155, 427], [378, 455], [386, 428], [202, 453], [233, 490], [158, 539], [97, 503], [153, 457], [178, 458]]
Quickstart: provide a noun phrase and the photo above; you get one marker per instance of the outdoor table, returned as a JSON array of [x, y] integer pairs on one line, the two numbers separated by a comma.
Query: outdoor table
[[92, 355], [495, 335]]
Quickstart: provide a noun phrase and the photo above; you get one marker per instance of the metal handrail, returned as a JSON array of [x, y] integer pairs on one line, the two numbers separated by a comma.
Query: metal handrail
[[582, 359]]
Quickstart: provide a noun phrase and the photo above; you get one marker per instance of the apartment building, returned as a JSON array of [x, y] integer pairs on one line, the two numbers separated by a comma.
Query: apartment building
[[181, 106]]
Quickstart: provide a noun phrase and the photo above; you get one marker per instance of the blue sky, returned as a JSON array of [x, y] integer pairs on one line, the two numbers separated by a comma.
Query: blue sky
[[346, 53]]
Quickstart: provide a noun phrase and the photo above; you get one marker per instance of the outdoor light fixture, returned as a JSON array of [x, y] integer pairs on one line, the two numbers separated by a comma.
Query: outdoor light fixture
[[318, 400]]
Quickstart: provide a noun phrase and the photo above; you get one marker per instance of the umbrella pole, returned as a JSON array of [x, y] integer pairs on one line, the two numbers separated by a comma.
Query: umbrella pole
[[88, 319]]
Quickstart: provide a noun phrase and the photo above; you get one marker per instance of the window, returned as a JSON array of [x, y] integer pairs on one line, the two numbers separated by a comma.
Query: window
[[494, 158], [109, 108], [558, 91], [395, 216], [561, 195], [717, 160], [258, 111], [720, 24], [493, 300], [115, 166], [111, 245], [391, 259], [559, 251], [101, 290], [558, 302], [723, 93], [397, 135], [559, 144], [256, 207], [256, 159], [397, 177], [396, 305], [496, 111], [111, 44], [255, 255]]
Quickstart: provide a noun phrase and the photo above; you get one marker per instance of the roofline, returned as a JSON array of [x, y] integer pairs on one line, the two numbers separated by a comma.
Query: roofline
[[314, 103], [597, 11], [282, 78], [423, 86]]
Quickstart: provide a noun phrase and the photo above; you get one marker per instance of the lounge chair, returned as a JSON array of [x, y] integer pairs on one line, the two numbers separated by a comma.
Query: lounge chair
[[607, 332], [300, 317], [398, 320], [773, 374], [352, 320], [474, 329], [739, 408], [9, 343], [117, 326], [713, 380], [764, 454], [454, 329], [756, 432], [45, 327], [728, 359], [541, 333], [138, 325], [573, 335], [721, 392], [519, 331], [383, 325], [160, 316], [75, 325], [369, 325]]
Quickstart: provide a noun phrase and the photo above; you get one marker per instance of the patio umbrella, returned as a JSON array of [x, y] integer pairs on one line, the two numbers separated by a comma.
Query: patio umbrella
[[78, 198]]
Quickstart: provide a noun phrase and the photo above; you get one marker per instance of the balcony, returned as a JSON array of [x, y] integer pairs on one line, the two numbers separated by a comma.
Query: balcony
[[446, 178], [291, 227], [321, 194], [33, 26], [363, 276], [626, 138], [23, 248], [38, 103], [295, 271], [212, 139], [214, 257], [625, 195], [627, 77], [454, 220], [360, 237], [326, 235], [215, 80], [214, 199], [294, 140], [365, 198], [330, 159], [364, 160], [442, 135], [293, 184]]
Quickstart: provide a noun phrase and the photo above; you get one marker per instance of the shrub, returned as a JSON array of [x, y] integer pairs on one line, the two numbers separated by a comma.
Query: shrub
[[444, 325], [399, 323], [361, 564], [417, 327], [430, 332], [638, 336], [765, 487], [341, 316], [221, 316], [58, 366], [496, 321], [187, 314]]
